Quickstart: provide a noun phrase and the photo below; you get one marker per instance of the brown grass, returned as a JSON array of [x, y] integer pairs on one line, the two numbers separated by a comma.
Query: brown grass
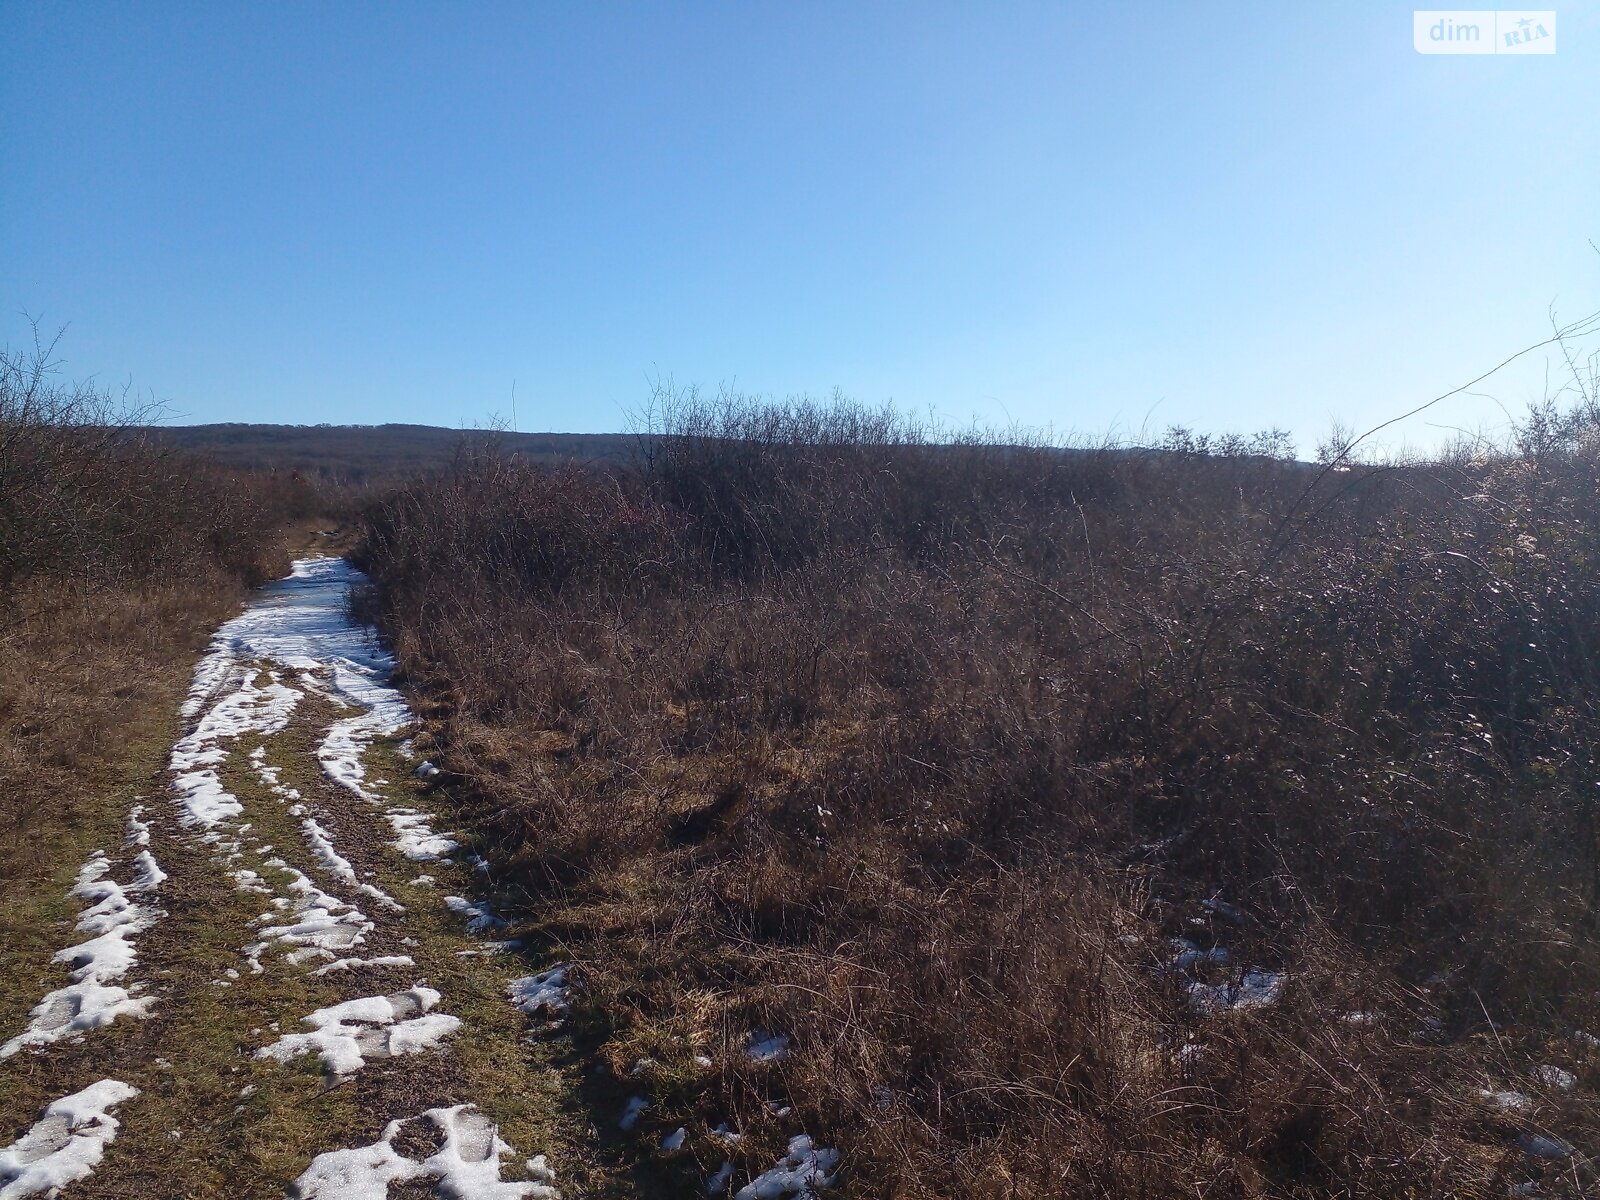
[[117, 559], [924, 754], [83, 675]]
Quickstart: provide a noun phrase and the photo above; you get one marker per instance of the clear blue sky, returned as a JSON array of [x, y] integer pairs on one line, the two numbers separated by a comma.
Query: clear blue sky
[[1089, 217]]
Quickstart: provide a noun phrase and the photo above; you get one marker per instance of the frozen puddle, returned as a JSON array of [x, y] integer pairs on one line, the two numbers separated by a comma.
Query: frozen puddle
[[346, 1035], [65, 1144], [112, 920], [465, 1167]]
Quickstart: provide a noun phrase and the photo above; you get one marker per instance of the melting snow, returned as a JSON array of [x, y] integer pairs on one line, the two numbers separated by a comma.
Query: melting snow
[[138, 830], [541, 1170], [490, 948], [350, 964], [1506, 1102], [346, 1035], [766, 1048], [1555, 1077], [1255, 990], [466, 1167], [249, 881], [415, 838], [299, 622], [1187, 955], [322, 847], [322, 923], [802, 1172], [480, 917], [546, 991], [65, 1144], [112, 920], [250, 709], [632, 1113]]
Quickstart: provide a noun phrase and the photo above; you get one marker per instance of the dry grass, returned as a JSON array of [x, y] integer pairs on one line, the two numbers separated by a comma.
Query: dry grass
[[117, 558], [925, 754], [83, 676]]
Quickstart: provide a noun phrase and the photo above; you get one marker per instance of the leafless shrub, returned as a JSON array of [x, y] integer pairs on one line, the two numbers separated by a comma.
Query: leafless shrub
[[925, 749], [117, 558]]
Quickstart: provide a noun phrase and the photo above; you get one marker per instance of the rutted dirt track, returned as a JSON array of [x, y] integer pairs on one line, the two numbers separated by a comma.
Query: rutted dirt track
[[279, 978]]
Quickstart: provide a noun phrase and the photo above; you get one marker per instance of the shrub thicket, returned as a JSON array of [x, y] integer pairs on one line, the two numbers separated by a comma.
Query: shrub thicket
[[927, 753], [117, 559]]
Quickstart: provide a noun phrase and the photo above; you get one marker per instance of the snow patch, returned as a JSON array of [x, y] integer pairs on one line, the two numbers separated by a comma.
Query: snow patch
[[322, 922], [249, 709], [1187, 955], [545, 992], [346, 1035], [766, 1047], [1256, 989], [415, 838], [466, 1167], [65, 1144], [339, 866], [487, 949], [1505, 1102], [1555, 1077], [350, 964], [802, 1173], [248, 881], [299, 623], [112, 919], [480, 918], [138, 830]]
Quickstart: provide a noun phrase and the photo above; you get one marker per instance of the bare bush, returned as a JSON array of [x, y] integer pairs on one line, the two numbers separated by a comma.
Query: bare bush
[[927, 749], [117, 558]]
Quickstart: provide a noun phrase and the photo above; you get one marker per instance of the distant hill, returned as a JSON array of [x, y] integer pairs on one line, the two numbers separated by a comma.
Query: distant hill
[[364, 452]]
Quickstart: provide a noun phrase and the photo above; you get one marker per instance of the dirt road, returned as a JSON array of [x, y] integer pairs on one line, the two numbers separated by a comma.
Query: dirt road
[[281, 977]]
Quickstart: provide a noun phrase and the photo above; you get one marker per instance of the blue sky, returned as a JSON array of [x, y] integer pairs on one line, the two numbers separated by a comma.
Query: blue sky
[[1088, 217]]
